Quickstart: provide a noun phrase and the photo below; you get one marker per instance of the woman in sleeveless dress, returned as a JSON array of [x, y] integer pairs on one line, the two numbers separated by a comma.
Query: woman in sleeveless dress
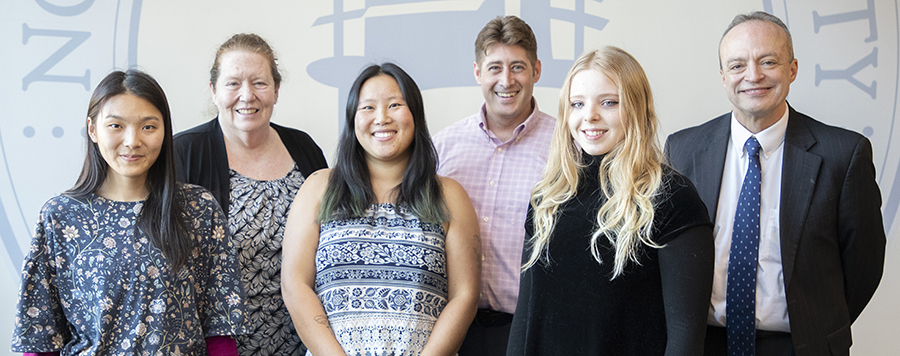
[[385, 259]]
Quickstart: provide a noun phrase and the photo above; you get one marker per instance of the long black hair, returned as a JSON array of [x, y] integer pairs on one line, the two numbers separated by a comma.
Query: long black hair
[[161, 216], [349, 190]]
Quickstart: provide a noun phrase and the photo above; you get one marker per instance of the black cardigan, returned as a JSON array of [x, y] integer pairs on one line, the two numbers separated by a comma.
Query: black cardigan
[[201, 158]]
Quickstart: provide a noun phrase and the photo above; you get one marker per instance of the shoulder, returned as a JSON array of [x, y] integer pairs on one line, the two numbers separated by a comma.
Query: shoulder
[[317, 182], [539, 130], [673, 180], [455, 195], [459, 128], [838, 148], [196, 132], [302, 148], [546, 122], [61, 200], [196, 141], [820, 130], [677, 208], [59, 203], [197, 195], [292, 133], [451, 187], [712, 126], [677, 191], [457, 201]]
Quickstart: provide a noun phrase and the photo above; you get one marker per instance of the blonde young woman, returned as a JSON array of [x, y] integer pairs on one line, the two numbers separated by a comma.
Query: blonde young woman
[[618, 255]]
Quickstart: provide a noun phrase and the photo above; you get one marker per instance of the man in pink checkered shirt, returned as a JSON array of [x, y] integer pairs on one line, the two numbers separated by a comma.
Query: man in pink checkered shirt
[[498, 155]]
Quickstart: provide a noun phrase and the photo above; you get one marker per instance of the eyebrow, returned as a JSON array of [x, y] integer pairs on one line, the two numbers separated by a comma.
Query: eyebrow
[[251, 78], [601, 96], [394, 97], [143, 119], [742, 58], [517, 61]]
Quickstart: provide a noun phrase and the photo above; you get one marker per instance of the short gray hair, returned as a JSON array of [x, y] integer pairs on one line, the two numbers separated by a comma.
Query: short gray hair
[[758, 16]]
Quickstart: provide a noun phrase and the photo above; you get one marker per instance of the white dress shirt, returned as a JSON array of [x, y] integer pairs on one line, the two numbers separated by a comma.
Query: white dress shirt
[[771, 304]]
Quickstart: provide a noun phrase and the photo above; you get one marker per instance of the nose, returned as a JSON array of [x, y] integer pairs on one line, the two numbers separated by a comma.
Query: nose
[[754, 73], [131, 138], [382, 117], [245, 93], [593, 114], [505, 78]]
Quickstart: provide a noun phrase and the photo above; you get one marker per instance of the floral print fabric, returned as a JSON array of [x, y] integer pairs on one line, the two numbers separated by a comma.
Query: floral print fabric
[[382, 280], [257, 215], [93, 284]]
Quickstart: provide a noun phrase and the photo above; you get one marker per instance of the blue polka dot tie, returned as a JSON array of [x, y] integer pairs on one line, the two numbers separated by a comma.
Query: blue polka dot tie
[[740, 298]]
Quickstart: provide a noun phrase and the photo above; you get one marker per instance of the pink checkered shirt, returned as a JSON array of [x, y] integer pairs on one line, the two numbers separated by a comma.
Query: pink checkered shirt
[[498, 177]]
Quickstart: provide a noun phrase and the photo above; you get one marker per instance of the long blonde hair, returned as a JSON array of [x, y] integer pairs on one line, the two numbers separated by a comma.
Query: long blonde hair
[[630, 174]]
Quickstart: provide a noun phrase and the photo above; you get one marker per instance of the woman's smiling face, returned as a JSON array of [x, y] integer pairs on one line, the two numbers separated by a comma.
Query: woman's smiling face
[[383, 123]]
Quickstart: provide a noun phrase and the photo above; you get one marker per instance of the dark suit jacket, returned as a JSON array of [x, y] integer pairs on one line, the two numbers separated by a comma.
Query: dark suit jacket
[[832, 234]]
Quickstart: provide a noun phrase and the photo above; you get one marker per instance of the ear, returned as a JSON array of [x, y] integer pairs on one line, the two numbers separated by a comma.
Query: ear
[[477, 72], [537, 70], [722, 73], [277, 87], [212, 91], [91, 130], [794, 69]]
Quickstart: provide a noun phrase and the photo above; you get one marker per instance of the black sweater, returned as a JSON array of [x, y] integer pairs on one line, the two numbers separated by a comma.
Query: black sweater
[[658, 306]]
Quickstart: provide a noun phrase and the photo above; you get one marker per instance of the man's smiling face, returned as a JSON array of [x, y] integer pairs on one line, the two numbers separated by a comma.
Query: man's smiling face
[[757, 71], [507, 78]]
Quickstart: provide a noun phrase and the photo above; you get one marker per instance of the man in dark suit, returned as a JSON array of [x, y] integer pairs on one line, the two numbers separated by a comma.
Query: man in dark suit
[[812, 225]]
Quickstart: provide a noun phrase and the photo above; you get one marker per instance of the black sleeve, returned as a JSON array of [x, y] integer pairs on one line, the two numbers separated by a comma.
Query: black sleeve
[[516, 343], [686, 267], [182, 148], [861, 230]]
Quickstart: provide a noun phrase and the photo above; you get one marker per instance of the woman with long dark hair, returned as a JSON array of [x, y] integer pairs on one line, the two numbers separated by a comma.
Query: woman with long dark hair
[[385, 260], [129, 261]]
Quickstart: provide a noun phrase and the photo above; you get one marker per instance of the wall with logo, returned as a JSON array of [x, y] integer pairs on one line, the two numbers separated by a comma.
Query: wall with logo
[[55, 52]]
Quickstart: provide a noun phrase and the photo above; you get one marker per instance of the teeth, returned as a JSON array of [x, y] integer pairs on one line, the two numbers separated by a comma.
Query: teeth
[[507, 95], [246, 111], [593, 133], [384, 134]]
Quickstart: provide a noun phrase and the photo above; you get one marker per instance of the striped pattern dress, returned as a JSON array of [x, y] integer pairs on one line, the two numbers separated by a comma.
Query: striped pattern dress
[[382, 279]]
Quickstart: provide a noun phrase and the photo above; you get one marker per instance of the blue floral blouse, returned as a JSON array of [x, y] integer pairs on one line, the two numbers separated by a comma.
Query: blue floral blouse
[[93, 284]]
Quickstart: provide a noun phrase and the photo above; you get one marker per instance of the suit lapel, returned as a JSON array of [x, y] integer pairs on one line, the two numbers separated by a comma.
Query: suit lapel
[[800, 170], [709, 164]]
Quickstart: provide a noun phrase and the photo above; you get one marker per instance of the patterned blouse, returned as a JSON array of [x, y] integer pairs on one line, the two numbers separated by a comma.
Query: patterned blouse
[[382, 279], [257, 214], [93, 284]]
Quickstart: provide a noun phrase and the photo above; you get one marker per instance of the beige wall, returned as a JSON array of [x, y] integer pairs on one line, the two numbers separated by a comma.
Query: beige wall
[[175, 41]]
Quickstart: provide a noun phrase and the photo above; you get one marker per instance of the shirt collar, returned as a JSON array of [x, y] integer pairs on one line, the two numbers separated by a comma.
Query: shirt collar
[[769, 139], [522, 129]]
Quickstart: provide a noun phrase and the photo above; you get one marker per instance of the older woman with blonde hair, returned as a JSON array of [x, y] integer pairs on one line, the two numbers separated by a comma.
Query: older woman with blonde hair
[[619, 249], [254, 168]]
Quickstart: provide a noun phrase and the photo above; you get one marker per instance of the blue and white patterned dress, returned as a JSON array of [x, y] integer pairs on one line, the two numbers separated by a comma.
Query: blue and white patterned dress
[[382, 279], [93, 284]]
